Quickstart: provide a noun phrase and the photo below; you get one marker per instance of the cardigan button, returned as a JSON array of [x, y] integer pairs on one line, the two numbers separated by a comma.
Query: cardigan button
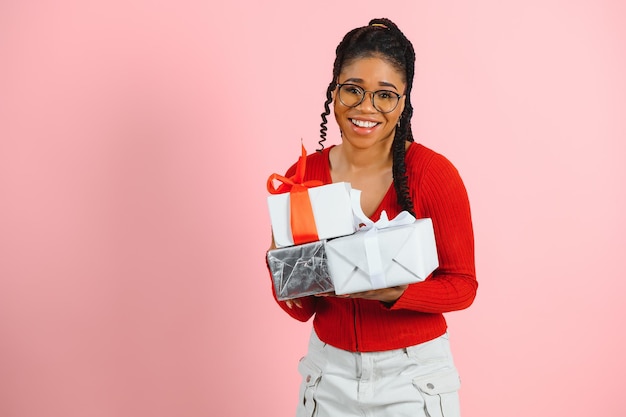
[[430, 386], [308, 378]]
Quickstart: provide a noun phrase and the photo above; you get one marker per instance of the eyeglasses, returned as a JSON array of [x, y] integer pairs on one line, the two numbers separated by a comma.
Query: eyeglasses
[[352, 95]]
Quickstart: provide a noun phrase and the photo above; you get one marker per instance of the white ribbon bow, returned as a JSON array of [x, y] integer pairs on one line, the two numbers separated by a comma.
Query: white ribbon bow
[[370, 239]]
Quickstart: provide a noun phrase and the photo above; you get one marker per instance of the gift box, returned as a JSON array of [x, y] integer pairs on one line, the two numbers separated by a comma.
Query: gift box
[[307, 211], [384, 254], [331, 211], [300, 270]]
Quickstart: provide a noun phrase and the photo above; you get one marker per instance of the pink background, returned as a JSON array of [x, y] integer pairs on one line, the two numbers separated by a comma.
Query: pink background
[[135, 142]]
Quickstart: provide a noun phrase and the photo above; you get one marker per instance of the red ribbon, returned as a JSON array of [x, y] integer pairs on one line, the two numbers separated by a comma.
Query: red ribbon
[[303, 227]]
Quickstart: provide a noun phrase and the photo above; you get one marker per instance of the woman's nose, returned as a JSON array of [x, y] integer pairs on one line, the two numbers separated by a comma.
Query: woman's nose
[[367, 104]]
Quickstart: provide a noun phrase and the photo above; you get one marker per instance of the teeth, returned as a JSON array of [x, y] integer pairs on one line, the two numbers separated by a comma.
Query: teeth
[[363, 123]]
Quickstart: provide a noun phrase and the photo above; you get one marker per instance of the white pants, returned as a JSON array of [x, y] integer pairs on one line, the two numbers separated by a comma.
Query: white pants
[[418, 381]]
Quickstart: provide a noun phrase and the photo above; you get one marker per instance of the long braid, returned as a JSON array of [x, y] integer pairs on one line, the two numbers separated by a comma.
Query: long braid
[[403, 132], [338, 64], [380, 37], [323, 128]]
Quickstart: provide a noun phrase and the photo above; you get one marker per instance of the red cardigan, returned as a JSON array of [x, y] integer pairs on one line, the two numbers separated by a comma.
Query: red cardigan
[[362, 325]]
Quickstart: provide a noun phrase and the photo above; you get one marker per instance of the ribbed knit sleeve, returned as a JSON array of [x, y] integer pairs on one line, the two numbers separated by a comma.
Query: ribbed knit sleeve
[[439, 193]]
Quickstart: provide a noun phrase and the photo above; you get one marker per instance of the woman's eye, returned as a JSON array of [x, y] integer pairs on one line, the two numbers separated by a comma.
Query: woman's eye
[[353, 90], [385, 95]]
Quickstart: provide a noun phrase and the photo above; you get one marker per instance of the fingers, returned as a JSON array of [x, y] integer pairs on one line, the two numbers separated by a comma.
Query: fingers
[[294, 302], [325, 294]]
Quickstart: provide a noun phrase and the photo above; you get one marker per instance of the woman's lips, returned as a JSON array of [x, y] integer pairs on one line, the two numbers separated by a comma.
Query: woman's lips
[[363, 123]]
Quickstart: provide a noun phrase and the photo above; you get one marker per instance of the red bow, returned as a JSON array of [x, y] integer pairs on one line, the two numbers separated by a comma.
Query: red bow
[[303, 227]]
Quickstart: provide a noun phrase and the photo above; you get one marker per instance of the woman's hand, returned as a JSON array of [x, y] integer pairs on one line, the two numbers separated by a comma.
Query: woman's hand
[[294, 302], [386, 295]]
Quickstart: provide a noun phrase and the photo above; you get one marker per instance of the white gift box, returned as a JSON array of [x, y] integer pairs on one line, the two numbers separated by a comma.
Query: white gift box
[[332, 211], [383, 256]]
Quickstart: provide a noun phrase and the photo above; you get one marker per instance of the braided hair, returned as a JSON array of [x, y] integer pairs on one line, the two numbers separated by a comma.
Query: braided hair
[[381, 38]]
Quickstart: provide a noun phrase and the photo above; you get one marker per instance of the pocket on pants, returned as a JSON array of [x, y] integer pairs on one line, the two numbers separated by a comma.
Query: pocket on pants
[[440, 393], [311, 376]]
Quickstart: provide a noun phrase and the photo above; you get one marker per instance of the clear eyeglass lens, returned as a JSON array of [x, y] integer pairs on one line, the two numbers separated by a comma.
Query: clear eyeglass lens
[[352, 95]]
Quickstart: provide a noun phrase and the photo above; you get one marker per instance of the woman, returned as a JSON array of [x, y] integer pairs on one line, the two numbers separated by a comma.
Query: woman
[[386, 352]]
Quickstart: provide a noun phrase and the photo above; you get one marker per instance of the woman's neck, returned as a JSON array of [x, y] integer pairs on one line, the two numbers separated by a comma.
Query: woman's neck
[[349, 159]]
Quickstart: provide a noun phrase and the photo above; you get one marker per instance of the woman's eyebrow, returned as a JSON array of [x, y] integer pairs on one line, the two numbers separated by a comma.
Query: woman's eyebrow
[[387, 84], [360, 81], [353, 80]]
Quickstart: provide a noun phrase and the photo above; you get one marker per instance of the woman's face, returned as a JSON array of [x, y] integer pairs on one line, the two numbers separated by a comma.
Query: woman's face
[[364, 126]]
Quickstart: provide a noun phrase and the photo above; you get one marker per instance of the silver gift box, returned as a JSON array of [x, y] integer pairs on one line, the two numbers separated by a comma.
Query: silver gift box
[[299, 271]]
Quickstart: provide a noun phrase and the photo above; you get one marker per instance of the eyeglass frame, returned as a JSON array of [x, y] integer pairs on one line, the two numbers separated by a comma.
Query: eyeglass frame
[[339, 85]]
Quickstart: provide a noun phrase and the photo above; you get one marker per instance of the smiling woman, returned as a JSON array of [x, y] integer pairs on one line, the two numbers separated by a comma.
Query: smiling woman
[[367, 126], [385, 352]]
